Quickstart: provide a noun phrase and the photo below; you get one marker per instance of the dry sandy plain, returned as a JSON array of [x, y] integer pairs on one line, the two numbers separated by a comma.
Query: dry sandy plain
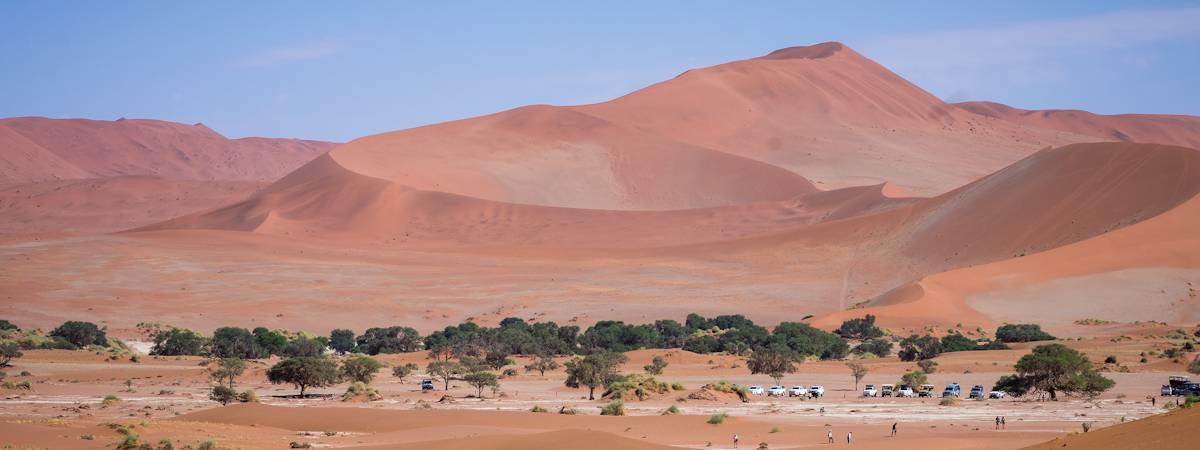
[[808, 184]]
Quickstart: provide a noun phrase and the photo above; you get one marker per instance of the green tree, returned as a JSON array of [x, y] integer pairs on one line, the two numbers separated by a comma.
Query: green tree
[[774, 361], [1022, 333], [1055, 368], [497, 359], [269, 342], [806, 340], [389, 340], [80, 334], [481, 380], [178, 341], [7, 326], [223, 395], [8, 352], [1194, 367], [342, 341], [927, 365], [541, 363], [914, 379], [360, 368], [404, 370], [877, 347], [915, 347], [226, 370], [858, 371], [304, 347], [863, 328], [233, 342], [656, 366], [444, 371], [304, 372], [593, 370]]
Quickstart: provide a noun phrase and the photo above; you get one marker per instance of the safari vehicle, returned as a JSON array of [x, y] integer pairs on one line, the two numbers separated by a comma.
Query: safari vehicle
[[997, 394], [905, 391], [953, 390], [776, 391], [816, 391], [756, 390], [798, 391], [1175, 385], [887, 390], [870, 391], [976, 392], [926, 390], [427, 384]]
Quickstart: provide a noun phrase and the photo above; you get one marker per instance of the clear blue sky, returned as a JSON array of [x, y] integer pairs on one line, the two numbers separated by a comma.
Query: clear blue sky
[[340, 70]]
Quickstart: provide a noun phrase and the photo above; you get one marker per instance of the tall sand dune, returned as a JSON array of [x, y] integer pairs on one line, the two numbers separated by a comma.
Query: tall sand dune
[[1150, 128]]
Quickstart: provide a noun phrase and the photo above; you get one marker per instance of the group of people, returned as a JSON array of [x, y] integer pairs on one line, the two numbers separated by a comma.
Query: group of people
[[1001, 422]]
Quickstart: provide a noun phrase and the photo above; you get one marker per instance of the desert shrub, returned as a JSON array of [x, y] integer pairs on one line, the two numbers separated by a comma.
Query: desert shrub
[[8, 352], [671, 410], [8, 326], [1110, 359], [718, 418], [1022, 333], [927, 365], [404, 370], [914, 379], [656, 366], [613, 408], [1190, 400], [537, 409], [110, 400], [206, 445], [249, 396], [1194, 366], [677, 387], [948, 401], [915, 348], [702, 344], [567, 411], [80, 334], [359, 389], [295, 444], [775, 430], [223, 394]]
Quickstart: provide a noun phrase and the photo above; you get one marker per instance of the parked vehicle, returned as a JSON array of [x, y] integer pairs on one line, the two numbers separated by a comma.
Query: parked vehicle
[[976, 392], [776, 391], [952, 390], [1175, 385], [926, 390], [756, 390], [870, 391], [816, 391], [905, 391], [997, 394], [798, 391], [427, 384], [887, 390]]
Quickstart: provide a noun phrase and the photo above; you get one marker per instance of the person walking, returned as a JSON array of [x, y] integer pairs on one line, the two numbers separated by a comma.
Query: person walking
[[849, 437], [1003, 422], [893, 429], [997, 422], [735, 440], [829, 435]]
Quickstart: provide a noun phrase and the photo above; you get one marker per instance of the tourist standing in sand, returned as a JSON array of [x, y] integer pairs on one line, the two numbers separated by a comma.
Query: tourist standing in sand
[[735, 440], [893, 429], [829, 435], [1003, 422], [849, 437], [997, 422]]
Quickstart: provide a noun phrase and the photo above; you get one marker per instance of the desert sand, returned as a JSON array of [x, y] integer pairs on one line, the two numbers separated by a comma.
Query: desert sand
[[810, 184]]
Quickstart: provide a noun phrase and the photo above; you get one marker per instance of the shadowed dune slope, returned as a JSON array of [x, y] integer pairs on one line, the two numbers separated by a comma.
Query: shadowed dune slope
[[1149, 128], [554, 156], [1170, 431], [41, 149], [324, 200]]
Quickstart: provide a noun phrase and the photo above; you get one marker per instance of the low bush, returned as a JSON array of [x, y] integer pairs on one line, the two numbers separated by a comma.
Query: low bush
[[718, 418], [671, 410], [613, 408], [1022, 333], [538, 409]]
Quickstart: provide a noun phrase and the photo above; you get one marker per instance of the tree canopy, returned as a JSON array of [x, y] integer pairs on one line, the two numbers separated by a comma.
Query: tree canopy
[[1054, 369]]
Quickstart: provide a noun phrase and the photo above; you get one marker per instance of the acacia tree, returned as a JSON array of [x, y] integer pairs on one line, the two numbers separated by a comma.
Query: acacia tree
[[914, 379], [444, 371], [541, 363], [404, 371], [304, 372], [656, 366], [593, 371], [481, 380], [858, 370], [775, 361], [226, 370], [1054, 368]]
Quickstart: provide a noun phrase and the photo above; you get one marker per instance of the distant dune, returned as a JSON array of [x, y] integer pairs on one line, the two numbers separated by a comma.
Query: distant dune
[[1150, 128]]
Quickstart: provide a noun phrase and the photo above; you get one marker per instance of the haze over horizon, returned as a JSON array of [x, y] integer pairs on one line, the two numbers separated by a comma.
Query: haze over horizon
[[286, 70]]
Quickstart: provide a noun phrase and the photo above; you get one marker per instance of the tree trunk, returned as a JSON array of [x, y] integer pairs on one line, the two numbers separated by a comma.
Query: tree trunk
[[446, 386], [302, 391], [591, 392]]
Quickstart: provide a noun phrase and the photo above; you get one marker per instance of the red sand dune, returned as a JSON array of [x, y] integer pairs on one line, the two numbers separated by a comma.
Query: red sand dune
[[1170, 431], [41, 149], [90, 176], [1150, 128]]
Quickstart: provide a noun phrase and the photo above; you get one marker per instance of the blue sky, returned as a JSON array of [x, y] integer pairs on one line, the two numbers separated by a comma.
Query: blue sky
[[341, 70]]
